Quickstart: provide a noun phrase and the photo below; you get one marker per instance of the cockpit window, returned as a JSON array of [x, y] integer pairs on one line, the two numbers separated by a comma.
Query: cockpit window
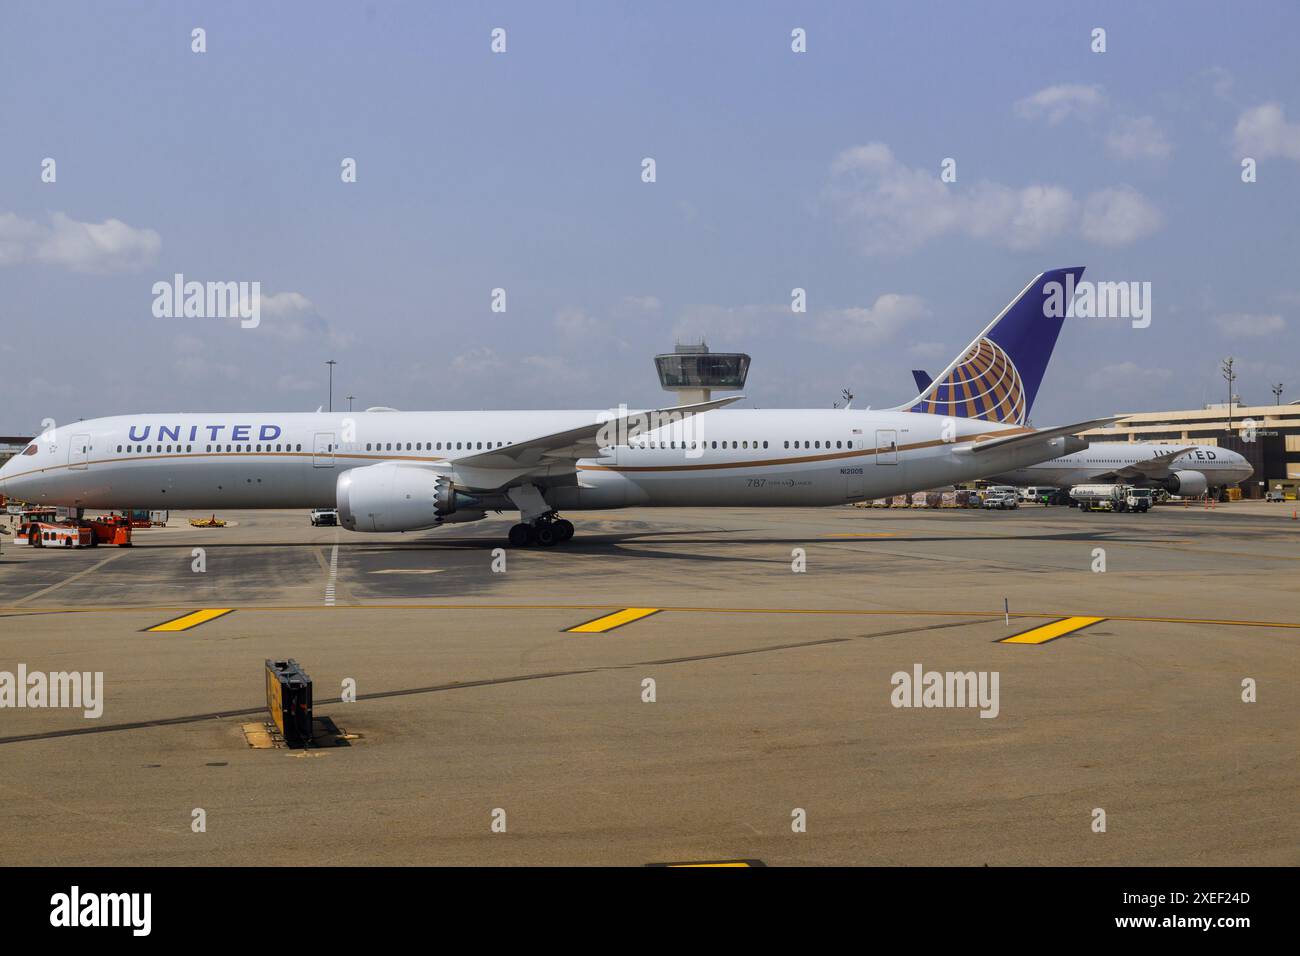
[[30, 449]]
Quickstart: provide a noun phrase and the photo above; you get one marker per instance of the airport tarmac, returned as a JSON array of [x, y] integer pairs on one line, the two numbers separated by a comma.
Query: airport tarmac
[[772, 691]]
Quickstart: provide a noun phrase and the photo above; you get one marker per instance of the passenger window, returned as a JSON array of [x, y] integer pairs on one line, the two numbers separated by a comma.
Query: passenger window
[[764, 444], [119, 448], [839, 445]]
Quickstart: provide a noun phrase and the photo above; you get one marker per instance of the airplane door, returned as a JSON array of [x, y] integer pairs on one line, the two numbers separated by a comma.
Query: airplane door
[[855, 478], [79, 452], [886, 446], [323, 451]]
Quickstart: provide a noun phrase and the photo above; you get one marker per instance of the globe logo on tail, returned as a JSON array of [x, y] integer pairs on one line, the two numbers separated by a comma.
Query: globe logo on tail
[[984, 384]]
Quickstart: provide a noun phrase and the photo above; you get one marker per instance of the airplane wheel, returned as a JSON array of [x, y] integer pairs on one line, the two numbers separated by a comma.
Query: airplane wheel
[[547, 534], [521, 536], [565, 528]]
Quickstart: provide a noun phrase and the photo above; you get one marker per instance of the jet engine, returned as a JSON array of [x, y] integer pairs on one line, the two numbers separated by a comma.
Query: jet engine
[[393, 496], [1187, 483]]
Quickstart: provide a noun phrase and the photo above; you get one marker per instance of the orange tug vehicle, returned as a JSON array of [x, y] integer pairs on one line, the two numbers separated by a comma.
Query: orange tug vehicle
[[43, 528]]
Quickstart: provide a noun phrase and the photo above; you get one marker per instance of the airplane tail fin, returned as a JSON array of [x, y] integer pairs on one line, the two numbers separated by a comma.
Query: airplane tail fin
[[996, 377]]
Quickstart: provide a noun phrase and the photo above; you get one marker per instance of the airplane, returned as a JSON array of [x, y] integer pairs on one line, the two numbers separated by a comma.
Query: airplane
[[1187, 469], [389, 471]]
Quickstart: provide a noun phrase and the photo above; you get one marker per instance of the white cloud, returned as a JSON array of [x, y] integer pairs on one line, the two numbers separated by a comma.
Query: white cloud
[[18, 238], [1221, 81], [730, 323], [576, 322], [481, 359], [899, 208], [285, 303], [1249, 323], [1126, 377], [1118, 216], [642, 303], [100, 248], [1138, 138], [1263, 131], [888, 314], [1055, 104], [928, 350]]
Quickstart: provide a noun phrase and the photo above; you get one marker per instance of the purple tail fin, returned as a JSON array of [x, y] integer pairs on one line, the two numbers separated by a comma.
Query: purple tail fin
[[996, 377]]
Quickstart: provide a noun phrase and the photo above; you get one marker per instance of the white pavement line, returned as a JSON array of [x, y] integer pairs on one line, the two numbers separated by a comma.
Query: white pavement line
[[333, 576], [80, 574]]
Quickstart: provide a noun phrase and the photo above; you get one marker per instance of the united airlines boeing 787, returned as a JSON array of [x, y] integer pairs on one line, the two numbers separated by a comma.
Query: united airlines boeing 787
[[406, 471]]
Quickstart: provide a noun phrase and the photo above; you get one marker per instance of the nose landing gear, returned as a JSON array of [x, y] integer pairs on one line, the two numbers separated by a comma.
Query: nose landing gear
[[545, 531]]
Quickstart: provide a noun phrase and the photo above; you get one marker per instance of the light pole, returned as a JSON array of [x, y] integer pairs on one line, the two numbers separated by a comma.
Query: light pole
[[331, 363], [1229, 376], [1277, 393], [350, 397]]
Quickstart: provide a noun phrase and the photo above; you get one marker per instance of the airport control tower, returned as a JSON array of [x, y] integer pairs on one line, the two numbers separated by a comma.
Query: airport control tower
[[694, 373]]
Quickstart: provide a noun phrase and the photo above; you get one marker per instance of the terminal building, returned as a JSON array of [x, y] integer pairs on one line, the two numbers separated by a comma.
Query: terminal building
[[1268, 436]]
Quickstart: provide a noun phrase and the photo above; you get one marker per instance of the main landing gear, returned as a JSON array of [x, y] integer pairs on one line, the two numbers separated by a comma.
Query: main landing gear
[[546, 531]]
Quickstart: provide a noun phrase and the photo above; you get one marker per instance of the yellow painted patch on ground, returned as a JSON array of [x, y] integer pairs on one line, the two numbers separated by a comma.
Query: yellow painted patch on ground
[[1050, 632], [610, 621], [741, 864], [193, 619], [257, 736]]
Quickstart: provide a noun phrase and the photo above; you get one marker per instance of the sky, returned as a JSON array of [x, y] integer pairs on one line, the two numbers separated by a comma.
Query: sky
[[523, 170]]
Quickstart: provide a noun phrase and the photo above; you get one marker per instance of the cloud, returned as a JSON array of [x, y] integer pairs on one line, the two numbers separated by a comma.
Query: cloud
[[1263, 131], [1126, 377], [899, 208], [576, 322], [481, 359], [1138, 138], [731, 323], [1249, 323], [1118, 216], [645, 304], [1221, 81], [285, 303], [1055, 104], [98, 248], [888, 314], [928, 350]]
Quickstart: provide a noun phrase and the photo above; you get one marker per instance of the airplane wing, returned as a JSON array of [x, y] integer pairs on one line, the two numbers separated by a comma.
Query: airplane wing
[[557, 454], [1157, 467], [1041, 435]]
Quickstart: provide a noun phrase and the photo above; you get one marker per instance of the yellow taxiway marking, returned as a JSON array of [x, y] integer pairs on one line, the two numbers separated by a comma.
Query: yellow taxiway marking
[[1050, 632], [710, 863], [610, 621], [39, 611], [864, 534], [193, 619]]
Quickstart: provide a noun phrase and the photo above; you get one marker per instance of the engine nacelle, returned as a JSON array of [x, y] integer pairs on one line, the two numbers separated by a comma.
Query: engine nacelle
[[397, 497], [1187, 483]]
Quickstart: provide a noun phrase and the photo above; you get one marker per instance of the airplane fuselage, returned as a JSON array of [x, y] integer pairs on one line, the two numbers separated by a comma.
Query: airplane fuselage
[[728, 457], [1099, 460]]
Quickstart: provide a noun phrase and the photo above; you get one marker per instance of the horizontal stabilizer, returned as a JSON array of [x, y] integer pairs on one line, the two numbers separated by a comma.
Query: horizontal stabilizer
[[1041, 435]]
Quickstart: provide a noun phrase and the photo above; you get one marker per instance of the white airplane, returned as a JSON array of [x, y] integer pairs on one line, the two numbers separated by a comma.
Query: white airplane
[[406, 471], [1186, 469]]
